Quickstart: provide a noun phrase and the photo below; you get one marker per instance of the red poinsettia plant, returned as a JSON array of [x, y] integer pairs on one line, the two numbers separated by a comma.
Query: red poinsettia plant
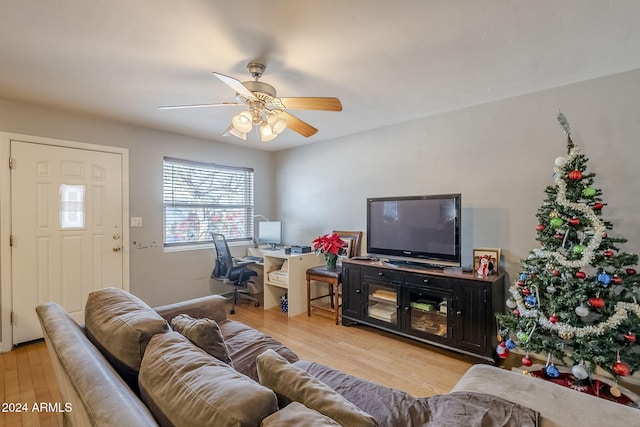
[[328, 244]]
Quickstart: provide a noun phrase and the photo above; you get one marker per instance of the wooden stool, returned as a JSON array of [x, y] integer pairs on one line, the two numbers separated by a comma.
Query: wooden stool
[[333, 278]]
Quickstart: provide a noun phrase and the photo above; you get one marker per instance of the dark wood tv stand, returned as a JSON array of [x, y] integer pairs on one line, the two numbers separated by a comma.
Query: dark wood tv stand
[[455, 311]]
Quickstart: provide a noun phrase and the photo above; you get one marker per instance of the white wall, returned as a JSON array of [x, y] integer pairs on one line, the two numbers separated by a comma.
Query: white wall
[[158, 277], [500, 156]]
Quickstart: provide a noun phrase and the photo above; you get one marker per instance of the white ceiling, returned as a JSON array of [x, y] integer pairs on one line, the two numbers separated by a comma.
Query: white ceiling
[[388, 61]]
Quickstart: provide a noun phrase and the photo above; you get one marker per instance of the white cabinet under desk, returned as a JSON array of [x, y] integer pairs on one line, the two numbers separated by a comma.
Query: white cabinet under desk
[[293, 283]]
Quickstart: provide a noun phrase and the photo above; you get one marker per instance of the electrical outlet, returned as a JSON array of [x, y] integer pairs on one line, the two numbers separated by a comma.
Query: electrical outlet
[[136, 221]]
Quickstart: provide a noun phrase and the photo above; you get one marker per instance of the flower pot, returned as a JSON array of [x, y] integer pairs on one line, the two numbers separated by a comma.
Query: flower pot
[[331, 260]]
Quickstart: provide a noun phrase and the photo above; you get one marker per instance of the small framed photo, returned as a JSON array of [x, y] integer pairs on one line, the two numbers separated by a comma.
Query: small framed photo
[[346, 248], [486, 261]]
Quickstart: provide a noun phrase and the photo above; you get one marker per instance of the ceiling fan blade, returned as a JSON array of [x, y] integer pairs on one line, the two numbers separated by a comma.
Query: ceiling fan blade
[[297, 125], [311, 103], [236, 85], [219, 104]]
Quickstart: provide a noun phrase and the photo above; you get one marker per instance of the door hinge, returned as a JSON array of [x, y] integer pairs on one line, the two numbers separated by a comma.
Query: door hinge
[[11, 320], [10, 162], [11, 240]]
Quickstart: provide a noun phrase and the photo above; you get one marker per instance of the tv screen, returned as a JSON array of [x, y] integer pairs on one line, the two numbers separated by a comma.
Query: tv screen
[[421, 228]]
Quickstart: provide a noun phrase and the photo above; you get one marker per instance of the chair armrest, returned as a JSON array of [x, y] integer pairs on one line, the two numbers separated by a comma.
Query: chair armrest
[[211, 307]]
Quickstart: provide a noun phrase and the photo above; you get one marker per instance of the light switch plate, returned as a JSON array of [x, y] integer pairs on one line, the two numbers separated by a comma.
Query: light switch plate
[[136, 221]]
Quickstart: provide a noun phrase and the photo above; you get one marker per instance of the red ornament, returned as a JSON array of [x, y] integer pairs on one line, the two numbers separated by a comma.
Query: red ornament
[[596, 302], [520, 282], [516, 312], [630, 337], [605, 235], [574, 221], [575, 175], [580, 274], [608, 253], [597, 206], [621, 369], [526, 361], [526, 291], [540, 227], [556, 272], [559, 236], [616, 280], [553, 318], [630, 271]]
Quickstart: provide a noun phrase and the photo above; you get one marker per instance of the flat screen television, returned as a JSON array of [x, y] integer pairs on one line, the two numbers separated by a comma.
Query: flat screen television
[[270, 232], [423, 229]]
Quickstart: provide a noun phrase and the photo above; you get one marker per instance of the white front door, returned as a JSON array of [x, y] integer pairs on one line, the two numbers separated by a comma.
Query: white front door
[[66, 227]]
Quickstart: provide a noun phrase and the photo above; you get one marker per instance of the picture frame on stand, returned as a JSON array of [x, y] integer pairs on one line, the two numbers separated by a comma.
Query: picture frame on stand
[[488, 256]]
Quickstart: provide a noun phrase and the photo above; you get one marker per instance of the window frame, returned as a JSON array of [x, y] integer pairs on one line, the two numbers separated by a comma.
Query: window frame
[[216, 201]]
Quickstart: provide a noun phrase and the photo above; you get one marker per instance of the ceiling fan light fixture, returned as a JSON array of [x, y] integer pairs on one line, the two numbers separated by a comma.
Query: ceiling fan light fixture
[[266, 132], [277, 124], [235, 132], [243, 122]]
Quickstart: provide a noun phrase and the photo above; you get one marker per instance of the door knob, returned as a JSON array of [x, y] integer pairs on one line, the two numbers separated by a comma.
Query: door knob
[[116, 248]]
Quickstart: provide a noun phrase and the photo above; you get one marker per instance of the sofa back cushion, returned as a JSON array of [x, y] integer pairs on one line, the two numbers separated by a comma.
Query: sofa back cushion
[[292, 384], [183, 385], [204, 333], [120, 325]]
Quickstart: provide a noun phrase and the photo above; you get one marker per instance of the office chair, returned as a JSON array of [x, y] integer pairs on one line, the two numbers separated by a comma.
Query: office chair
[[227, 271]]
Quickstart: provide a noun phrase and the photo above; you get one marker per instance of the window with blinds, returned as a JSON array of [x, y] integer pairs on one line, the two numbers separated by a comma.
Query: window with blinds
[[204, 198]]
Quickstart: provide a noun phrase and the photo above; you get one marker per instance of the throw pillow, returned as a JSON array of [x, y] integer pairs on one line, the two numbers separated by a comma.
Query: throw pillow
[[296, 414], [184, 386], [120, 325], [204, 333], [292, 384]]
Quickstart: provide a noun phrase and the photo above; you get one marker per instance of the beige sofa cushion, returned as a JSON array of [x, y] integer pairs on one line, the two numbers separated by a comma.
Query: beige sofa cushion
[[183, 385], [292, 384], [204, 333], [120, 325], [298, 415]]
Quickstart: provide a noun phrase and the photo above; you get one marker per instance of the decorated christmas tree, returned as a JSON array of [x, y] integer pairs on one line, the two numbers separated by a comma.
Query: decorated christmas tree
[[575, 300]]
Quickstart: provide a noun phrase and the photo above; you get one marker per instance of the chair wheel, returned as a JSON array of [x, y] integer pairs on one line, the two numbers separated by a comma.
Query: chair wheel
[[257, 304], [232, 311]]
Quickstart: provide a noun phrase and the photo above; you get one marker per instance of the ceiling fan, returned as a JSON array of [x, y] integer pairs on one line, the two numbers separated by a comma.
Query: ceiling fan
[[266, 110]]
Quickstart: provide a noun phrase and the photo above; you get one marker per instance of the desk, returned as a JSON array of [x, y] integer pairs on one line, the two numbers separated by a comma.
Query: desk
[[296, 288]]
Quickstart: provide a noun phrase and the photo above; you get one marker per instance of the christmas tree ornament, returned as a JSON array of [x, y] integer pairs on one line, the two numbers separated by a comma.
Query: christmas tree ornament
[[630, 271], [575, 175], [598, 206], [526, 361], [552, 371], [554, 319], [522, 336], [582, 310], [526, 291], [574, 221], [556, 222], [608, 253], [596, 302], [560, 161], [531, 300], [516, 312], [620, 368], [579, 372], [630, 337], [551, 289], [616, 280], [589, 192], [615, 392], [501, 350], [578, 249], [540, 227], [510, 344], [558, 236], [555, 272], [604, 278], [511, 303], [580, 274]]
